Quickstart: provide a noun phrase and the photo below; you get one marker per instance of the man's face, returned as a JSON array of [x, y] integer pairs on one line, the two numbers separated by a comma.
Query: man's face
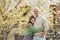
[[36, 12]]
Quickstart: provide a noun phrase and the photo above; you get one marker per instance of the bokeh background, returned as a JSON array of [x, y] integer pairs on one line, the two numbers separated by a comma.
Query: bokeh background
[[14, 15]]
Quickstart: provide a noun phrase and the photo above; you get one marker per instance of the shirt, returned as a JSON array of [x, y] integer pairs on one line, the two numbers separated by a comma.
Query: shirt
[[41, 22], [31, 30]]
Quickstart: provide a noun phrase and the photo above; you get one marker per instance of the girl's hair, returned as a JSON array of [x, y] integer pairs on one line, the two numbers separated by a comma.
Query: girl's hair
[[30, 20]]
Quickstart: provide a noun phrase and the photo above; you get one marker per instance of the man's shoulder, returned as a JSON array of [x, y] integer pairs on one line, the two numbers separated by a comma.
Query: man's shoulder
[[42, 17]]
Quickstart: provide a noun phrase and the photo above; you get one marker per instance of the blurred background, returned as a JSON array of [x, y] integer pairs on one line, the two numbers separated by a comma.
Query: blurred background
[[14, 15]]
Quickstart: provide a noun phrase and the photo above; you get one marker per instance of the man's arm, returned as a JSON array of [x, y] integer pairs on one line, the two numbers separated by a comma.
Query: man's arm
[[45, 25]]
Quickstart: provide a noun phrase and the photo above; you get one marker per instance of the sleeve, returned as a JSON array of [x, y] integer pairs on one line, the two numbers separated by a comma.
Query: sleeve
[[45, 24], [36, 29]]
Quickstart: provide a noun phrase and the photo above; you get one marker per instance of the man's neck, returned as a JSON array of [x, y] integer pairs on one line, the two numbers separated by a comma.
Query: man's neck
[[37, 16]]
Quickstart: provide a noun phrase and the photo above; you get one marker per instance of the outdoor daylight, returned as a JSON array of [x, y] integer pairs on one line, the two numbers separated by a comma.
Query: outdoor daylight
[[29, 19]]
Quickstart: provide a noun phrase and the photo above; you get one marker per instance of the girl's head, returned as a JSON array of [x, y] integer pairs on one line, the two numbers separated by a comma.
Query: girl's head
[[32, 19]]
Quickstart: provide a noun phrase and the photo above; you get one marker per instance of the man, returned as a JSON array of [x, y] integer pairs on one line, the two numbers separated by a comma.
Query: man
[[41, 22]]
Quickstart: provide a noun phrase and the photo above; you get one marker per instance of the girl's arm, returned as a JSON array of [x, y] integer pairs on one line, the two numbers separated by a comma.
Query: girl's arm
[[35, 29]]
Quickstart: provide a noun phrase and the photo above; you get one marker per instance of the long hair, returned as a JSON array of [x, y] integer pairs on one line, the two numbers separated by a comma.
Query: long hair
[[30, 20]]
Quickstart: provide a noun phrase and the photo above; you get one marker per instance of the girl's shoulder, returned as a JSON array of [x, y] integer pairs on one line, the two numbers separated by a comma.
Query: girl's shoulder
[[30, 24]]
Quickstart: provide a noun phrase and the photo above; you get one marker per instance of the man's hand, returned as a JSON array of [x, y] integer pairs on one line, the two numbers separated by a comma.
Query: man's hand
[[43, 34]]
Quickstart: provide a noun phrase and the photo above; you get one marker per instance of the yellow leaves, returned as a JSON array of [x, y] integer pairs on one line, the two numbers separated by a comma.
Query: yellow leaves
[[16, 15], [1, 19], [56, 22], [23, 2], [43, 10]]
